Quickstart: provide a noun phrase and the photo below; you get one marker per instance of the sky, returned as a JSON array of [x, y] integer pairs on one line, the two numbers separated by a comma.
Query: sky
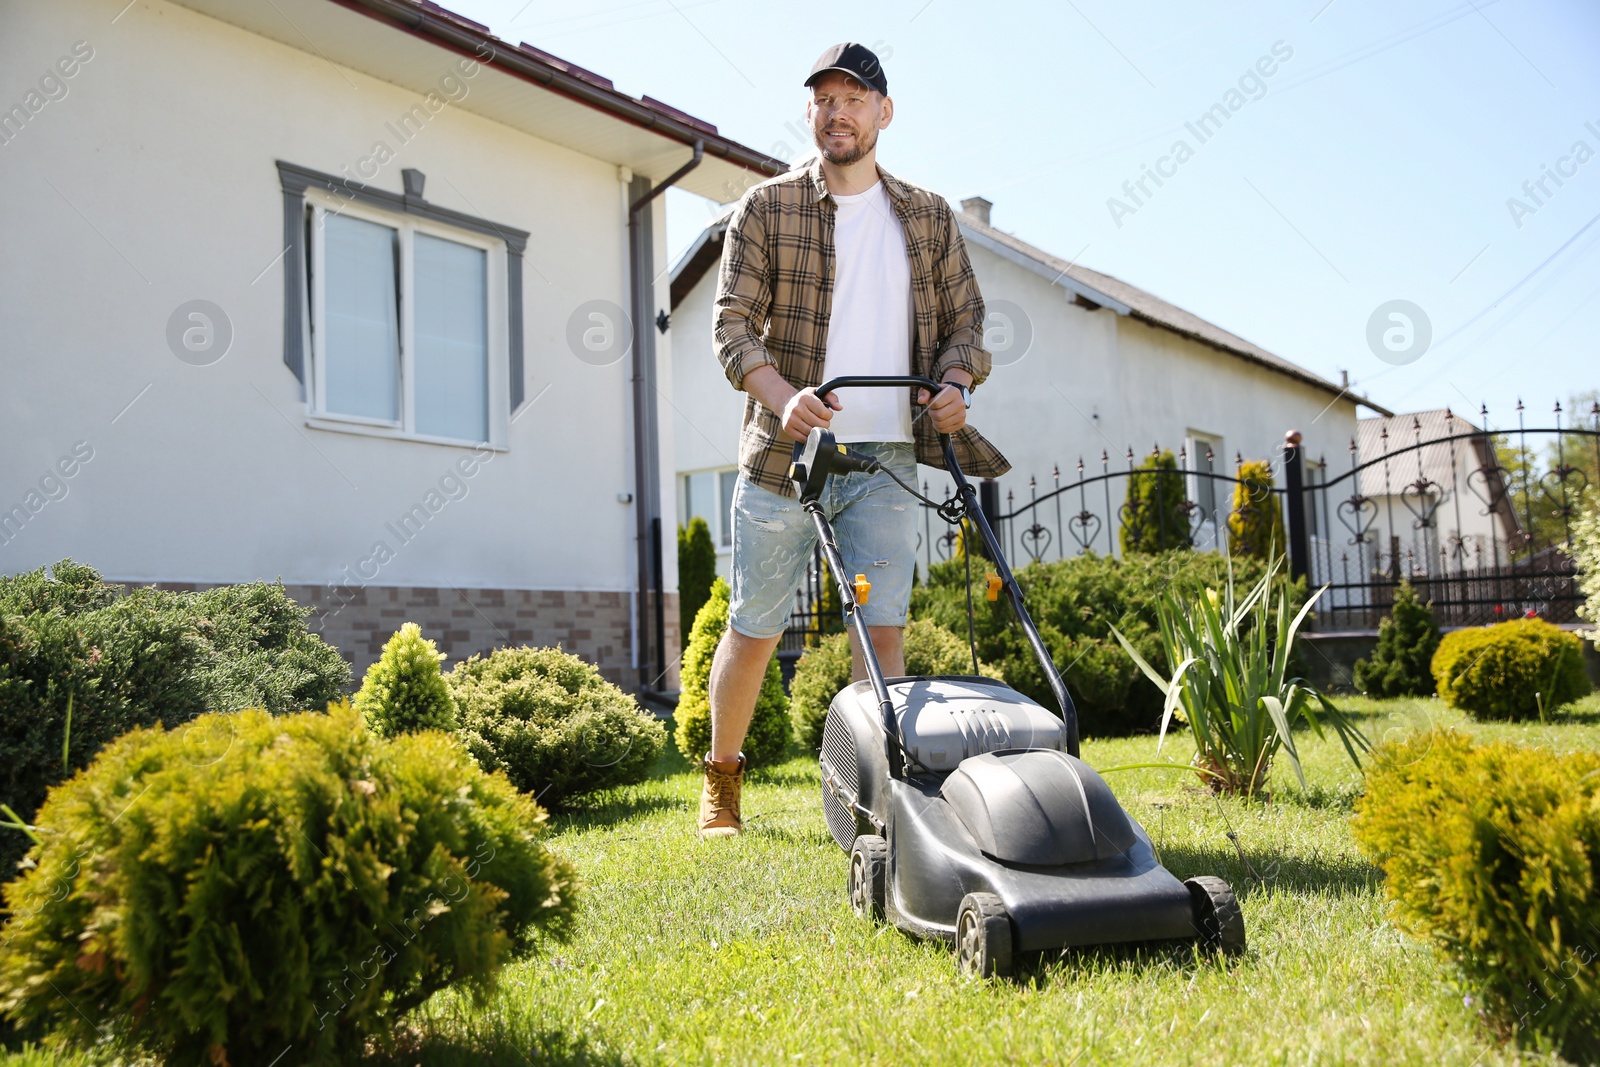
[[1363, 208]]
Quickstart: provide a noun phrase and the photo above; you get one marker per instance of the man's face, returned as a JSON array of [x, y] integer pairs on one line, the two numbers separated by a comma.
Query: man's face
[[845, 117]]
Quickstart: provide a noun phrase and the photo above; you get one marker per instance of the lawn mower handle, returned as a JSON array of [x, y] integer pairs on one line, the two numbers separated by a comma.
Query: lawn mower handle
[[969, 497]]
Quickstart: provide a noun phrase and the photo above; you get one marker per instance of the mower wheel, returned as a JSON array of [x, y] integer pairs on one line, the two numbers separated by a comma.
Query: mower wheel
[[1217, 917], [869, 877], [983, 936]]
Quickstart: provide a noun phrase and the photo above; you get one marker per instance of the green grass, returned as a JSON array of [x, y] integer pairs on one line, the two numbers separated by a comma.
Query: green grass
[[746, 951]]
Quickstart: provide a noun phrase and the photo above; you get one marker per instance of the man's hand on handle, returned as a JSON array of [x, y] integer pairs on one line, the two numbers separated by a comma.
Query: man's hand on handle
[[948, 411], [805, 411]]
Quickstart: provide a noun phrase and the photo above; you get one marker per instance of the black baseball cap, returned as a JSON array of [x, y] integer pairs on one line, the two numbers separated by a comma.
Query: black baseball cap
[[856, 60]]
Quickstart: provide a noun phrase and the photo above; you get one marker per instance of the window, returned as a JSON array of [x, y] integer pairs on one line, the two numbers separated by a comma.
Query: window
[[1313, 493], [1205, 457], [709, 495], [401, 318]]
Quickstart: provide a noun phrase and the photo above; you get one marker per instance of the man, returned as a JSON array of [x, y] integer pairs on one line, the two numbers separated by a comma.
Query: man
[[837, 268]]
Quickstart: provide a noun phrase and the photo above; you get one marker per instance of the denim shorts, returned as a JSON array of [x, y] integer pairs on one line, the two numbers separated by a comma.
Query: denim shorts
[[874, 523]]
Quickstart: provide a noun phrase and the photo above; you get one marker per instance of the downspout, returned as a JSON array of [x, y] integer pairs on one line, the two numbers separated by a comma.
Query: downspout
[[649, 612]]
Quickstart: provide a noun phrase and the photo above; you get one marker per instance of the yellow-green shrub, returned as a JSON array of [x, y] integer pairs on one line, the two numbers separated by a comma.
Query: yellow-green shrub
[[247, 883], [1492, 853], [768, 737], [405, 691], [552, 723], [1511, 670], [930, 649]]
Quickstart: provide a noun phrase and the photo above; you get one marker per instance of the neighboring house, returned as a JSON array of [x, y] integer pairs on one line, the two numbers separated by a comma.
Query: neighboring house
[[332, 291], [1439, 508], [1083, 364]]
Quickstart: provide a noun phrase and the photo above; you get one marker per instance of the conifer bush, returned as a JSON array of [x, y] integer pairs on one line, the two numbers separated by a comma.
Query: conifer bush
[[770, 730], [122, 659], [930, 649], [697, 569], [1255, 525], [1492, 853], [1407, 639], [294, 881], [1521, 669], [1155, 516], [405, 690], [551, 722], [1586, 553]]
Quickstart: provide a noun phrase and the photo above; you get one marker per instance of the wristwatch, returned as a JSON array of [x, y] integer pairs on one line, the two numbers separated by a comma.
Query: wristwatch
[[966, 394]]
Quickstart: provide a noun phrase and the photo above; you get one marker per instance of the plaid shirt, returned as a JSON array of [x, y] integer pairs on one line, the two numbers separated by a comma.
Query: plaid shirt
[[775, 293]]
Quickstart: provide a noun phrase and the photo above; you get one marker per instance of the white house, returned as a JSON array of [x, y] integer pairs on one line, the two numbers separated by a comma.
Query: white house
[[1439, 502], [1084, 365], [333, 291]]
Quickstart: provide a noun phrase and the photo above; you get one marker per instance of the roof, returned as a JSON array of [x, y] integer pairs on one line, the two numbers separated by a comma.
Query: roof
[[1090, 289], [1093, 287], [1432, 461], [520, 86]]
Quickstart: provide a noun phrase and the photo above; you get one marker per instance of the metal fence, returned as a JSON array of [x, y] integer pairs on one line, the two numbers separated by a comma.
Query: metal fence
[[1434, 503]]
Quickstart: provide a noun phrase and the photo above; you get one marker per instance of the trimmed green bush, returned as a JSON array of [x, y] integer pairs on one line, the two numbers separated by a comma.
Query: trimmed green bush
[[1075, 602], [217, 893], [930, 649], [550, 721], [1492, 853], [770, 731], [405, 690], [697, 569], [1407, 639], [1255, 525], [133, 659], [1155, 516], [1519, 669]]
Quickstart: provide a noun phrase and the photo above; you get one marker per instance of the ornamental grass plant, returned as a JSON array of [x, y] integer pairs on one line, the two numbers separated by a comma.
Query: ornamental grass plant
[[1232, 683]]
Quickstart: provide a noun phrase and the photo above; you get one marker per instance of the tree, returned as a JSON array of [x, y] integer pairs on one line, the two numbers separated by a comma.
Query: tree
[[1255, 525], [1537, 493], [405, 691], [697, 569], [1407, 640], [1155, 516]]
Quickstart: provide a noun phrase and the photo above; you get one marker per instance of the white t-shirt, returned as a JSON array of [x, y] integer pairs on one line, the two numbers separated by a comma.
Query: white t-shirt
[[869, 325]]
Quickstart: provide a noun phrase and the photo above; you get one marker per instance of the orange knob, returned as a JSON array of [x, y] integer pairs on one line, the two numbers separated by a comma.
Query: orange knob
[[863, 588], [993, 592]]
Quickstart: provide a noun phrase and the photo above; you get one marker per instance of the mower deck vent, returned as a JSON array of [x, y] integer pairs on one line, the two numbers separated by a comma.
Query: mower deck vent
[[839, 764]]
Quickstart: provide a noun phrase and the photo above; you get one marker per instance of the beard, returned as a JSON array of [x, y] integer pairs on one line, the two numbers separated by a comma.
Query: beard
[[843, 157]]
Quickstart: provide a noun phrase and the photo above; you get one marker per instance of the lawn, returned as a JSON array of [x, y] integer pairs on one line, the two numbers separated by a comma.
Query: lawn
[[746, 951]]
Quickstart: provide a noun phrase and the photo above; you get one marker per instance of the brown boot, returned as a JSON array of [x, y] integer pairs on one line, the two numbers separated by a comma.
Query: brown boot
[[719, 798]]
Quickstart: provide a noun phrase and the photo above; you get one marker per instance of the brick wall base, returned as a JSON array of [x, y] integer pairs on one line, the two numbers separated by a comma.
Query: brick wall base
[[597, 626]]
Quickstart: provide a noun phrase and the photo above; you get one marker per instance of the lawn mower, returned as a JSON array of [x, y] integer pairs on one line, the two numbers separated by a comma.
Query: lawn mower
[[963, 805]]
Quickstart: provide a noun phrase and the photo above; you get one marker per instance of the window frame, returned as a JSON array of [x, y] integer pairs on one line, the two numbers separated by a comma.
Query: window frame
[[319, 208], [304, 190], [722, 527]]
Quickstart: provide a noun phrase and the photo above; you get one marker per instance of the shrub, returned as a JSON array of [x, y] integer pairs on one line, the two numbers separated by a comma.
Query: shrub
[[1586, 553], [1255, 525], [930, 649], [134, 659], [405, 691], [697, 569], [769, 732], [288, 880], [1519, 669], [1073, 602], [552, 723], [1234, 686], [1492, 853], [1155, 516], [1407, 639]]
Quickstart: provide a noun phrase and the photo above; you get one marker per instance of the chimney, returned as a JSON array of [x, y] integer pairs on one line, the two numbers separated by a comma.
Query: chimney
[[977, 207]]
